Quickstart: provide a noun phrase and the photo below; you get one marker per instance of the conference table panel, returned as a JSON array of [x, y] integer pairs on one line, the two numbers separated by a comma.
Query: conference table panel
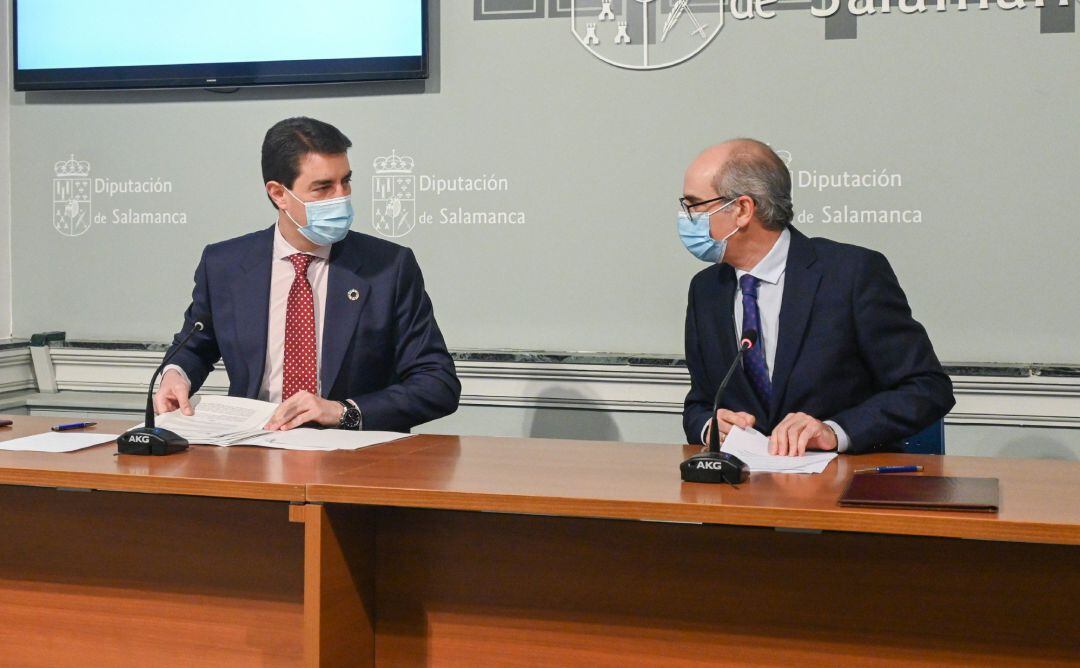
[[114, 579], [467, 589], [563, 477], [448, 550]]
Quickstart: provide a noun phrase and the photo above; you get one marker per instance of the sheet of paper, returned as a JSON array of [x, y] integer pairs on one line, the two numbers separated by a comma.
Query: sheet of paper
[[751, 446], [325, 439], [220, 420], [52, 441]]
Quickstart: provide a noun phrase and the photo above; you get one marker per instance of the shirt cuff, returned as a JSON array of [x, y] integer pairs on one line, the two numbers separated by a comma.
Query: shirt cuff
[[173, 367], [843, 442], [705, 428]]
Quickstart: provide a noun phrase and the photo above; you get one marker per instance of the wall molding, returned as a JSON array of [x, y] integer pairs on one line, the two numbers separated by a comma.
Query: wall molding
[[16, 373], [1007, 400]]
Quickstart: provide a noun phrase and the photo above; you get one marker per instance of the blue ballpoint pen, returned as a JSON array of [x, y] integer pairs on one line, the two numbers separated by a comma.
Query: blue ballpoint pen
[[891, 469], [73, 425]]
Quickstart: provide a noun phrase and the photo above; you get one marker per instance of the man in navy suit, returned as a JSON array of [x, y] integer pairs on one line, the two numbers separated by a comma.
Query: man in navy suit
[[333, 325], [840, 363]]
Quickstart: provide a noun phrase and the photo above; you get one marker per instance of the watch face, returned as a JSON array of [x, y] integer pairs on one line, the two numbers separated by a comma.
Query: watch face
[[350, 419]]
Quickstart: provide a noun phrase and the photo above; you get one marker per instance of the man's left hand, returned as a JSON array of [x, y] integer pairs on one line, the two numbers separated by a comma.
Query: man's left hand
[[302, 408], [799, 432]]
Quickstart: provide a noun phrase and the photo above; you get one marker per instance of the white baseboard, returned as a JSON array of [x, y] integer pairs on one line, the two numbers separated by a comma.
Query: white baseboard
[[1034, 401]]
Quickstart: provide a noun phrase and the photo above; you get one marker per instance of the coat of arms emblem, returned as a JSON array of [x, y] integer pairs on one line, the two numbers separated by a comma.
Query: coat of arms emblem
[[393, 196], [71, 197], [645, 34]]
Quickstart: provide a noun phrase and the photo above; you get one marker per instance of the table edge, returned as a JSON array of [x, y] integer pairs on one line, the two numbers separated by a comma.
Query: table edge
[[910, 523], [114, 482]]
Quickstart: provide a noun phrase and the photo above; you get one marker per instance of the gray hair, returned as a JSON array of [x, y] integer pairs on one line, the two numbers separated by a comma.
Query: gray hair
[[753, 169]]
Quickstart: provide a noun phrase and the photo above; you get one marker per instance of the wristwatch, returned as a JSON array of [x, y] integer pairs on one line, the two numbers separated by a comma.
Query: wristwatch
[[350, 417]]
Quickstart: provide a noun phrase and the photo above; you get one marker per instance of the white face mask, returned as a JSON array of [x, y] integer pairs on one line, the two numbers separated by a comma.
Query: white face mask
[[695, 234]]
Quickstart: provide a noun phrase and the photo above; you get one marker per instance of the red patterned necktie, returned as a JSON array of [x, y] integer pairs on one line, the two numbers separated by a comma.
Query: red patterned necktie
[[301, 352]]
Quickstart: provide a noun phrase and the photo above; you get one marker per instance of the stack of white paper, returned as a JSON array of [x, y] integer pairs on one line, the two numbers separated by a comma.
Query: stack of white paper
[[220, 420], [229, 421], [751, 446]]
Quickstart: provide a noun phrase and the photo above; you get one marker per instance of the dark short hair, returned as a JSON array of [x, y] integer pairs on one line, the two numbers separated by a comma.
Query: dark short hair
[[290, 140]]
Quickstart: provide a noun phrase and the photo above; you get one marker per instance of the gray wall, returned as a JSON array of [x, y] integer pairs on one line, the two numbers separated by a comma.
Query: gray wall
[[974, 110], [593, 155], [5, 180]]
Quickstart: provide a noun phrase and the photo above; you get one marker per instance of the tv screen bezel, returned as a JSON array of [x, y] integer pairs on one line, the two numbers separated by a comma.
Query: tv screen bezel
[[222, 75]]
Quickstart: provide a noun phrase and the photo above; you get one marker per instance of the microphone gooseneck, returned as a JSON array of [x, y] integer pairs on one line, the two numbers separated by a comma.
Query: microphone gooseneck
[[149, 439], [748, 341], [149, 418], [713, 466]]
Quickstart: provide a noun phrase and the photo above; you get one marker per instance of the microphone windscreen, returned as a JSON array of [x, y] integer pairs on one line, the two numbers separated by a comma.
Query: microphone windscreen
[[749, 339]]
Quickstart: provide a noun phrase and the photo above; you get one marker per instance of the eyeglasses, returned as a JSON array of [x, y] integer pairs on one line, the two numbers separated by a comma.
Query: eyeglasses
[[688, 208]]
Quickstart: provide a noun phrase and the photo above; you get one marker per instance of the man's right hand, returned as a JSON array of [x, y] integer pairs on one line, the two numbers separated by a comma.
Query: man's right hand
[[728, 419], [173, 393]]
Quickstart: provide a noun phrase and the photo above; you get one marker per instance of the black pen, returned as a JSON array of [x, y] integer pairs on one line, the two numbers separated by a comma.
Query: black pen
[[73, 425]]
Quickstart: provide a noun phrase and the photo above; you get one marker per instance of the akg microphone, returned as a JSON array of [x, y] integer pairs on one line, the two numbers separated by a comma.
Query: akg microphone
[[149, 439], [714, 466]]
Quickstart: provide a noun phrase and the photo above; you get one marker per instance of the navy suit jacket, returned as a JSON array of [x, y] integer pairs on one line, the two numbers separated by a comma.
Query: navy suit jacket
[[848, 349], [383, 350]]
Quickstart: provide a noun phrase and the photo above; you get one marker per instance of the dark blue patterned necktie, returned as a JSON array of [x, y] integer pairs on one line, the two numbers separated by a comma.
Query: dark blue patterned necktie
[[757, 372]]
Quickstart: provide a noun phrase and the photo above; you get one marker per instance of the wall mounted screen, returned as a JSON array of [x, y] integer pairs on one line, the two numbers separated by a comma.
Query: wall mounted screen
[[101, 44]]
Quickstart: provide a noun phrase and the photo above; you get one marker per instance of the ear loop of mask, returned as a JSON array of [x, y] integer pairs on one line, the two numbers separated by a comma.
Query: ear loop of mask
[[719, 209], [298, 225]]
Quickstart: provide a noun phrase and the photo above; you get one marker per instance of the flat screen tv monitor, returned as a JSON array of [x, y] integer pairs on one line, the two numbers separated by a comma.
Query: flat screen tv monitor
[[109, 44]]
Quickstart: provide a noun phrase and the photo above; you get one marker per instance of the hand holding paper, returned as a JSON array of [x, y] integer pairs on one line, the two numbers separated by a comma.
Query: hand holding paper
[[236, 421], [799, 432], [752, 447]]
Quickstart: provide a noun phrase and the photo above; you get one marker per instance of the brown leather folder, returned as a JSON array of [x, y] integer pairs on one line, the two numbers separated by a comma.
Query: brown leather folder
[[922, 491]]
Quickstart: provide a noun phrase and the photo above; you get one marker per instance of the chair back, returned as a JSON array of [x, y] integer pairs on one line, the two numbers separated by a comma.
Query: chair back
[[929, 441]]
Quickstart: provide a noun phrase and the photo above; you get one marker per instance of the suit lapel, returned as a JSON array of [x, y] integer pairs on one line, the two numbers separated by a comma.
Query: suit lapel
[[726, 306], [346, 295], [801, 280], [726, 318], [251, 299]]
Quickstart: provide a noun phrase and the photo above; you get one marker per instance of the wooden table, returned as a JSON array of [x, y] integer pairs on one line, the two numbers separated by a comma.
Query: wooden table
[[442, 550]]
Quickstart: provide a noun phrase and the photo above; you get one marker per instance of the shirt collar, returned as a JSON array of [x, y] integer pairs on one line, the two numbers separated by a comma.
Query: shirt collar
[[771, 267], [283, 249]]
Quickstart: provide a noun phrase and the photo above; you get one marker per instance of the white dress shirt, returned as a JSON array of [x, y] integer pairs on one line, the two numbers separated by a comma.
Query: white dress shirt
[[770, 272]]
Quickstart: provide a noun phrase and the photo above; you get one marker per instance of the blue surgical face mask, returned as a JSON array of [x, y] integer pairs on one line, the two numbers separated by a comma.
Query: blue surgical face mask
[[328, 220], [694, 232]]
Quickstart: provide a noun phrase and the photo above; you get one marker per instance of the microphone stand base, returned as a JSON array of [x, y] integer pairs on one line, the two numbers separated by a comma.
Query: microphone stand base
[[151, 441], [714, 467]]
